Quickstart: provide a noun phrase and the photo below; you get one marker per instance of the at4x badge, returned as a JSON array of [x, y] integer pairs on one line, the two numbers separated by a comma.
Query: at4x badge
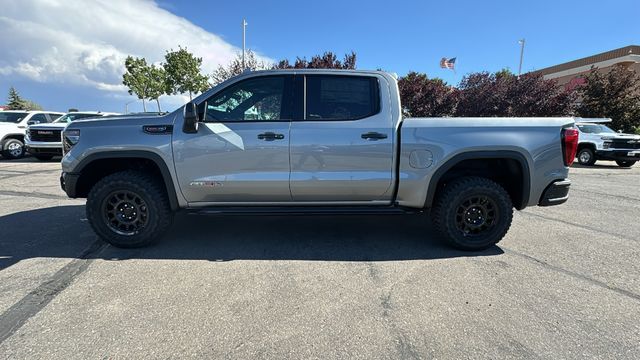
[[206, 183]]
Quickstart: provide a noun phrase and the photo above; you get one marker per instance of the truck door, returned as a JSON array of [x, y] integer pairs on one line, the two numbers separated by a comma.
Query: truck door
[[342, 140], [240, 153]]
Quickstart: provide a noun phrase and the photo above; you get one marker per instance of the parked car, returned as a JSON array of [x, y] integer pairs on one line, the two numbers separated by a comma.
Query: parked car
[[599, 142], [314, 142], [13, 125], [44, 141]]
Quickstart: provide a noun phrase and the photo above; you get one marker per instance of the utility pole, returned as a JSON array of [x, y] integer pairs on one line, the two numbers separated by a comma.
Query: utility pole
[[521, 42], [244, 36]]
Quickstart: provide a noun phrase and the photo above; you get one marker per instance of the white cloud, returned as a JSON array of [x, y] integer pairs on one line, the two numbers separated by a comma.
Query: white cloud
[[85, 43]]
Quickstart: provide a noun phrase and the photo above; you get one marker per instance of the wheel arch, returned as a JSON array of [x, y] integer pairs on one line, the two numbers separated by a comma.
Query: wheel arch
[[98, 165], [16, 136], [455, 167]]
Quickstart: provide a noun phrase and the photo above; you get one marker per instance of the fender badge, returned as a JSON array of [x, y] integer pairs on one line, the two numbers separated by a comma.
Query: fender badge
[[206, 183]]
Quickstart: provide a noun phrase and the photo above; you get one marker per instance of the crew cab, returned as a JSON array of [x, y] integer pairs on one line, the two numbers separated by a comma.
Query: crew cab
[[314, 142], [13, 125], [44, 141], [599, 142]]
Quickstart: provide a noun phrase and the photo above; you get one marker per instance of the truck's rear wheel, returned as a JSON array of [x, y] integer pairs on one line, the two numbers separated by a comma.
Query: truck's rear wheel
[[623, 163], [586, 157], [129, 209], [473, 213]]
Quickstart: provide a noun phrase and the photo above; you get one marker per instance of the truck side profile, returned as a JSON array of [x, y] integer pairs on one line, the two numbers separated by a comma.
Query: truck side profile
[[315, 142]]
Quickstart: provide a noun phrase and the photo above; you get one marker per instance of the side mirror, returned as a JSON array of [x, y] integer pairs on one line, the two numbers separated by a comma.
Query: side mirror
[[619, 131], [190, 118]]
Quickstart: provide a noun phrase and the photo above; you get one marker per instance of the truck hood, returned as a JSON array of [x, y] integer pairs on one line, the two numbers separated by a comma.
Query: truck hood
[[52, 126], [609, 136], [124, 120]]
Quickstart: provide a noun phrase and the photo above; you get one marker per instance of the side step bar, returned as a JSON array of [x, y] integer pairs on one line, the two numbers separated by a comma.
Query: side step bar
[[303, 210]]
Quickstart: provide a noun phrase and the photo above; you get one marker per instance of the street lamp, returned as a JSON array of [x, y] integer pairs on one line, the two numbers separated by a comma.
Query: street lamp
[[126, 106], [521, 42]]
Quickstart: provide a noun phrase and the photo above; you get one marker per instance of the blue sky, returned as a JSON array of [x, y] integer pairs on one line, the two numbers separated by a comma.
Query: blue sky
[[397, 36]]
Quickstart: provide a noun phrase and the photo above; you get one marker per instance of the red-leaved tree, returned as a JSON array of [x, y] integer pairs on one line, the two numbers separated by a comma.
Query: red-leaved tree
[[424, 97], [328, 60], [504, 94]]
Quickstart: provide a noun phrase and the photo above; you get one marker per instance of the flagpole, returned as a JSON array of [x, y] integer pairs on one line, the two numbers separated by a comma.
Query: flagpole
[[521, 56], [244, 32]]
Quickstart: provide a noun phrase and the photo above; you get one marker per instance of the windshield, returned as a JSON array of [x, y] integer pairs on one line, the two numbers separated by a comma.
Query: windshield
[[74, 116], [12, 117], [595, 129]]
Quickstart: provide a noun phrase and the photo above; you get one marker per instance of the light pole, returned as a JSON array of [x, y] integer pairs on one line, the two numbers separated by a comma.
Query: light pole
[[126, 106], [521, 42], [244, 33]]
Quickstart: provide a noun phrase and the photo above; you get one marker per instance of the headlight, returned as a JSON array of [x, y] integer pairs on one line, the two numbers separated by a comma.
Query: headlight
[[69, 139], [27, 134], [606, 144]]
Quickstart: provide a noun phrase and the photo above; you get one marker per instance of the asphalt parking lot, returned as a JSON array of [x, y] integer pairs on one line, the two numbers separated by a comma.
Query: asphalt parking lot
[[564, 283]]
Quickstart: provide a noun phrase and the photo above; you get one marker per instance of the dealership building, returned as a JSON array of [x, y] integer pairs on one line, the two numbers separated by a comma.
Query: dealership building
[[570, 74]]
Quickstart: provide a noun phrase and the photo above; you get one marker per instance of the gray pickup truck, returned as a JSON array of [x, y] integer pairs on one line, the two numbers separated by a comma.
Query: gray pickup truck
[[314, 142]]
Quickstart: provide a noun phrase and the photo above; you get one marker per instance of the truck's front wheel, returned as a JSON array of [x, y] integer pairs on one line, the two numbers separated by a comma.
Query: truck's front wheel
[[129, 209], [473, 213]]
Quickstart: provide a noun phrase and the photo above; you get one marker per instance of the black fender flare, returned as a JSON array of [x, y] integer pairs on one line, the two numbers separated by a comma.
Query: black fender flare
[[470, 155], [142, 154]]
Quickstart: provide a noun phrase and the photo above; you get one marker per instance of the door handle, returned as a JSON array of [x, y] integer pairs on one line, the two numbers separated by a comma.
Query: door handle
[[269, 136], [372, 135]]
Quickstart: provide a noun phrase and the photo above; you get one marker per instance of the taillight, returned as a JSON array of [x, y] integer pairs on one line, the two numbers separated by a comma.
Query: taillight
[[569, 145]]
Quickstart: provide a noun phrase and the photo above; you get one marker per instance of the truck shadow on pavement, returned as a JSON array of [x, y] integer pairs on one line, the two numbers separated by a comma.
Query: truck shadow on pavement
[[63, 232]]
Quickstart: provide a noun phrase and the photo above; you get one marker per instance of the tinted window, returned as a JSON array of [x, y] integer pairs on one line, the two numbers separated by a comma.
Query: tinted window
[[257, 99], [341, 97], [12, 117], [38, 119]]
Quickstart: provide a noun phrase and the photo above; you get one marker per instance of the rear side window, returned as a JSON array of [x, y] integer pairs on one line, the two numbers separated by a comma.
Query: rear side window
[[331, 97]]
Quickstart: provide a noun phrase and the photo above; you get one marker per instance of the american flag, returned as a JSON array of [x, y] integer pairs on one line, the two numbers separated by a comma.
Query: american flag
[[448, 63]]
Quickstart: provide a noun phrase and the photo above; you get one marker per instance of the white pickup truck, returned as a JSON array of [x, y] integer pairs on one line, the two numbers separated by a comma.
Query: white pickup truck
[[314, 142], [44, 141], [13, 126]]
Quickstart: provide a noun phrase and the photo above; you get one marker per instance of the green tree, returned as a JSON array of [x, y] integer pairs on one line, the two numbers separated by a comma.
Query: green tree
[[183, 73], [15, 101], [234, 68], [614, 94], [148, 82]]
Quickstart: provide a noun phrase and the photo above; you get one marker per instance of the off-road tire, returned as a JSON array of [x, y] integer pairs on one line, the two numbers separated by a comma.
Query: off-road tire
[[446, 215], [589, 157], [623, 163], [8, 149], [43, 157], [149, 192]]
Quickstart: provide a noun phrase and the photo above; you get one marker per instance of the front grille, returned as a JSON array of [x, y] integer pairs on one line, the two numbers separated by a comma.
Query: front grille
[[45, 135]]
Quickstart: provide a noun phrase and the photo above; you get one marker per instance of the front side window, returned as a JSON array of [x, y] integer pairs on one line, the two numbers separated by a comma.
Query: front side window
[[256, 99], [331, 97], [38, 119], [12, 117]]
